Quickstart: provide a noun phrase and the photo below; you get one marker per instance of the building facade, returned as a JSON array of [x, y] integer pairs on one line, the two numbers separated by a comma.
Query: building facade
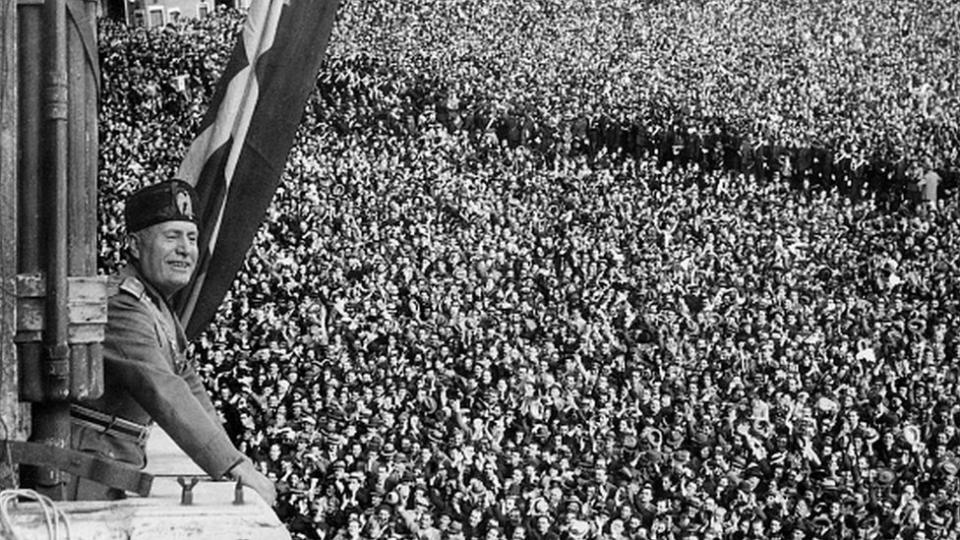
[[154, 13]]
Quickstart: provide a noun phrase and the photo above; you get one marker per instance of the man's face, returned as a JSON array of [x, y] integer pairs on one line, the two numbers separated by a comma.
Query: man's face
[[167, 253]]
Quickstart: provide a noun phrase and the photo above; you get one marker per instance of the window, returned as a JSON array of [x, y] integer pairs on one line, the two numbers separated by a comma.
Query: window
[[154, 16], [203, 10]]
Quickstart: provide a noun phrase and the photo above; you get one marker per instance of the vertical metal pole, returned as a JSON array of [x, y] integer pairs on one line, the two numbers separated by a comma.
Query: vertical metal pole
[[55, 117], [51, 423]]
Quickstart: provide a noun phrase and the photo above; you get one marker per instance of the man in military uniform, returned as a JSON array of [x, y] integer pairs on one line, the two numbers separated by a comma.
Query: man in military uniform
[[147, 377]]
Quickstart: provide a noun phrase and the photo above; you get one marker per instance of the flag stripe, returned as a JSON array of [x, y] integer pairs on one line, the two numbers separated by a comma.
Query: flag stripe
[[236, 161]]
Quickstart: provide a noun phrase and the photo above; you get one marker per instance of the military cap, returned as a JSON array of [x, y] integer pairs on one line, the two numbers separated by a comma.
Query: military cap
[[172, 200]]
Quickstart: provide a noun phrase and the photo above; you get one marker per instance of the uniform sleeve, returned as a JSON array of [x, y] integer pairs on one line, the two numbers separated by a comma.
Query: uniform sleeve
[[199, 391], [133, 354]]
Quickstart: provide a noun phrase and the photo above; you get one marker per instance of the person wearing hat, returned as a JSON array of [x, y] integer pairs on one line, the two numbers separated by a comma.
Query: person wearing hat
[[577, 530], [454, 531], [147, 376]]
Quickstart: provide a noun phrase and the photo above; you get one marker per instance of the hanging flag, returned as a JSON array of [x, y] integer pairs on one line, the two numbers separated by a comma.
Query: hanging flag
[[236, 161]]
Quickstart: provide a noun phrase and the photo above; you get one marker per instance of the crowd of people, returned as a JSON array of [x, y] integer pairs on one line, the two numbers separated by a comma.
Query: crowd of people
[[465, 318], [864, 80]]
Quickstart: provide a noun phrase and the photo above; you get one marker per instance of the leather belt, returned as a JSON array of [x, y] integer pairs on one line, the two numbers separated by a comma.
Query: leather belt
[[108, 424]]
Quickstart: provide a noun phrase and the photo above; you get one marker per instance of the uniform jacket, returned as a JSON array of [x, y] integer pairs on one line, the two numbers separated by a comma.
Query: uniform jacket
[[147, 379]]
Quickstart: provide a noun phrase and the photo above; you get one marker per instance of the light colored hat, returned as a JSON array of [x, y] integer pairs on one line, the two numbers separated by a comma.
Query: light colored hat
[[826, 404], [579, 529], [911, 434]]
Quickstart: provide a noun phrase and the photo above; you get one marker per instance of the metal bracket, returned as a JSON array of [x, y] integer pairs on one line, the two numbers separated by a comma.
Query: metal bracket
[[186, 496], [115, 474], [86, 307], [238, 493]]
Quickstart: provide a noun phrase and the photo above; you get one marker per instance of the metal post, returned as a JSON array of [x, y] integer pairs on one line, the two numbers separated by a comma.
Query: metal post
[[51, 420], [56, 108]]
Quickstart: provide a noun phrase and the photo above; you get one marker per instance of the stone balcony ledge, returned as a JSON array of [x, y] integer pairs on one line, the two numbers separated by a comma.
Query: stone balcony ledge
[[213, 514]]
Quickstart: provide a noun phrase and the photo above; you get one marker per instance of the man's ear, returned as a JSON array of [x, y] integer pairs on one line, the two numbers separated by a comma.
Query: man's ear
[[133, 245]]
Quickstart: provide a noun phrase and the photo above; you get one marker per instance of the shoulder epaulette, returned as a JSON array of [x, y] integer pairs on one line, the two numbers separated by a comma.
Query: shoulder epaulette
[[128, 284]]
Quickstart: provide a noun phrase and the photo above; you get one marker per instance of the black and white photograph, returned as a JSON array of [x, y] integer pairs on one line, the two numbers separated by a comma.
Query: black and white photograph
[[480, 269]]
